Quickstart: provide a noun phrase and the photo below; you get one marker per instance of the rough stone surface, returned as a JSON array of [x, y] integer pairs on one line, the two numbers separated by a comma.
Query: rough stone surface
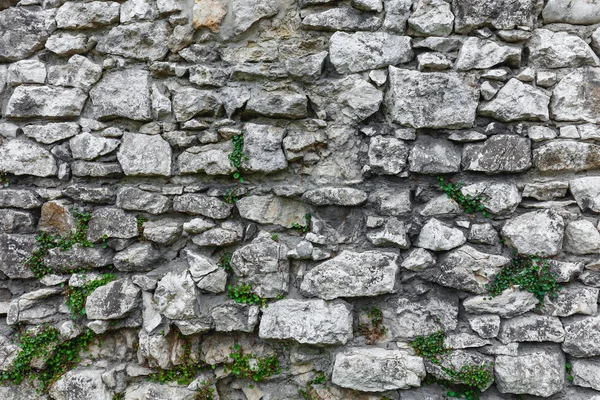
[[532, 328], [479, 53], [113, 300], [199, 204], [271, 209], [143, 155], [582, 337], [500, 153], [122, 94], [23, 157], [507, 305], [559, 50], [24, 31], [437, 236], [567, 155], [572, 99], [538, 232], [112, 222], [586, 191], [45, 101], [572, 12], [517, 101], [502, 14]]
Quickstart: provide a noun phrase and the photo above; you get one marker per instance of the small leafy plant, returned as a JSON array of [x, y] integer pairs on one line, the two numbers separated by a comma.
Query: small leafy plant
[[375, 330], [531, 273], [569, 369], [303, 228], [184, 373], [252, 366], [140, 227], [237, 156], [205, 392], [4, 181], [431, 346], [309, 392], [471, 204], [225, 262], [243, 293], [232, 195], [76, 296]]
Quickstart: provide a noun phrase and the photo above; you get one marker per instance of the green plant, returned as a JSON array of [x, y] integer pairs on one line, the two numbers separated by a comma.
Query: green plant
[[252, 366], [4, 181], [45, 242], [237, 156], [531, 273], [225, 262], [184, 373], [76, 296], [242, 293], [275, 237], [431, 346], [473, 376], [375, 330], [205, 392], [59, 356], [470, 204], [119, 396], [232, 195], [569, 369], [303, 228], [140, 227]]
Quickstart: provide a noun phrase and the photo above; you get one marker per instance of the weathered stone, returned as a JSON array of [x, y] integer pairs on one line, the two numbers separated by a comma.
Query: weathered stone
[[57, 217], [79, 257], [24, 31], [176, 296], [517, 101], [479, 53], [500, 14], [410, 318], [397, 13], [440, 205], [81, 383], [264, 265], [215, 283], [586, 373], [432, 155], [486, 326], [209, 14], [371, 273], [263, 148], [538, 232], [134, 40], [113, 300], [231, 316], [376, 369], [469, 270], [122, 94], [15, 221], [247, 12], [361, 51], [335, 196], [271, 209], [431, 18], [368, 5], [86, 146], [582, 337], [586, 191], [189, 102], [572, 12], [212, 159], [112, 222], [33, 307], [431, 100], [91, 194], [531, 328], [144, 155], [14, 251], [157, 391], [567, 155], [572, 299], [432, 61], [201, 204], [509, 304], [574, 97], [361, 99], [483, 234], [498, 198], [229, 233], [387, 156], [51, 132], [45, 101], [135, 10], [500, 153], [459, 341], [164, 231], [581, 237], [96, 169], [418, 260], [67, 43], [394, 233], [137, 257], [277, 104], [131, 198], [546, 191], [79, 72], [26, 71], [549, 49], [437, 236], [341, 19], [19, 198], [24, 157], [456, 361], [87, 15], [391, 201], [540, 373], [313, 322]]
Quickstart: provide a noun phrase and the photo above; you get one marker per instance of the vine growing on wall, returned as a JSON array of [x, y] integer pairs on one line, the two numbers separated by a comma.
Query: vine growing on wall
[[236, 157], [471, 204], [76, 296]]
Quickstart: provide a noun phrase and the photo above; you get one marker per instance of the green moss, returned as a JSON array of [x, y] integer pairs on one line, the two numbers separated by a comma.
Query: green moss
[[76, 296], [471, 204]]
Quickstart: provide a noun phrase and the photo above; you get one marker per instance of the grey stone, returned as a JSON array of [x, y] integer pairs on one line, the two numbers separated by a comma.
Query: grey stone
[[24, 31], [540, 133], [137, 257], [157, 391], [362, 99], [87, 15], [19, 198], [113, 300], [500, 153], [23, 157], [263, 148], [112, 222], [517, 101], [51, 132], [229, 233], [247, 12], [201, 204], [387, 156], [96, 169], [81, 382], [394, 234], [16, 221], [343, 196], [432, 155], [176, 296], [573, 97], [45, 101], [135, 10], [567, 155], [565, 271], [486, 326], [144, 155], [26, 71], [572, 12], [33, 307], [314, 322], [431, 18], [537, 232], [391, 201], [271, 209], [79, 257], [456, 361], [134, 199], [531, 328], [361, 51], [231, 316], [418, 260], [573, 299], [14, 251], [189, 102], [582, 337], [432, 61], [199, 265], [540, 373], [549, 49], [341, 19], [277, 104], [410, 318], [397, 13], [308, 67], [500, 14], [122, 94], [483, 234], [479, 53], [376, 369], [440, 205], [79, 72], [423, 100], [509, 304], [437, 236], [498, 198], [67, 43], [164, 231], [212, 159], [468, 269], [198, 225], [581, 237], [86, 146], [586, 191], [133, 41], [368, 5], [459, 341], [546, 191], [586, 373], [215, 283]]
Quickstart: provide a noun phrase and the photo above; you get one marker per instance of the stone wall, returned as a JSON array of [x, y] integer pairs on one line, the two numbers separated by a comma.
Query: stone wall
[[186, 180]]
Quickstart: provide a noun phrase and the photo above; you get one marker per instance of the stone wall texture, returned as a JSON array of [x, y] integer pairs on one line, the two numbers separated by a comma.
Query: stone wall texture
[[184, 148]]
